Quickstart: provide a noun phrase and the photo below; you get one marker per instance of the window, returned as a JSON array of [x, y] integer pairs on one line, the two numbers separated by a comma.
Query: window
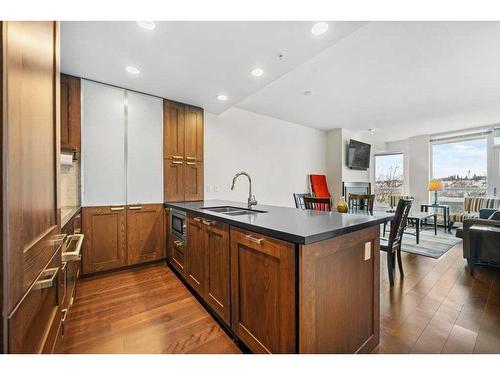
[[462, 166], [389, 172]]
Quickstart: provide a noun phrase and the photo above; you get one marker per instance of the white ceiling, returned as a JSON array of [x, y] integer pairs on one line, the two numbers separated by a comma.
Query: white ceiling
[[192, 62], [400, 78]]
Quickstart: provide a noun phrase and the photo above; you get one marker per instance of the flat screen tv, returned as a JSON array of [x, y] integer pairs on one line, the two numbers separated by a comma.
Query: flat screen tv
[[358, 155]]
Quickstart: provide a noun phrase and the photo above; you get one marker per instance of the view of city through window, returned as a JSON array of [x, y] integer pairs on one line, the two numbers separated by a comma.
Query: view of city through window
[[462, 167], [388, 177]]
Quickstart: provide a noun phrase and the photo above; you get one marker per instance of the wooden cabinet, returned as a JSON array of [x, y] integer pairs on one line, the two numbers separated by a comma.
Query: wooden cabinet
[[196, 254], [70, 113], [173, 130], [263, 292], [217, 265], [178, 254], [193, 181], [182, 152], [30, 125], [145, 233], [174, 184], [193, 133], [105, 238]]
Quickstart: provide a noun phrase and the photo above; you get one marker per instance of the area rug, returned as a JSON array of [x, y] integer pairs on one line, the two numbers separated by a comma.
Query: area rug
[[433, 246]]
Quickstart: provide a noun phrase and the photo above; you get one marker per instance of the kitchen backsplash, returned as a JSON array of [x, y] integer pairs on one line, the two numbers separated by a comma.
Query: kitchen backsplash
[[70, 184]]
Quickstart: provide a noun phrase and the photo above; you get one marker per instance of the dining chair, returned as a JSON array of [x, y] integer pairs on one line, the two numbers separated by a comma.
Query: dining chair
[[299, 199], [392, 245], [318, 204], [361, 202]]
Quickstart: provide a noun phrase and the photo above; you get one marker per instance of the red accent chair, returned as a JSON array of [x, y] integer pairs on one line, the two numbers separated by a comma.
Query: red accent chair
[[319, 187]]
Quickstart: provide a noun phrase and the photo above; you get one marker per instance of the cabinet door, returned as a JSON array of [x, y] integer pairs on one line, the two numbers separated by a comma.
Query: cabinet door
[[174, 183], [217, 268], [144, 149], [103, 145], [70, 113], [196, 254], [193, 138], [193, 184], [104, 247], [145, 233], [263, 292], [173, 130]]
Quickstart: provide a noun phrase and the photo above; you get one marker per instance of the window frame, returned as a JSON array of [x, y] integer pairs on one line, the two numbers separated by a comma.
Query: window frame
[[388, 153]]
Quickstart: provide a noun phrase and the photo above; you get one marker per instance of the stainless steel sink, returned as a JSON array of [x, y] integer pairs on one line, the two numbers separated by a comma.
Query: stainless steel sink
[[233, 211]]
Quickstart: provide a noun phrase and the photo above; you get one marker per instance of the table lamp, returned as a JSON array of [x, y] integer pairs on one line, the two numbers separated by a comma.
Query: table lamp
[[435, 186]]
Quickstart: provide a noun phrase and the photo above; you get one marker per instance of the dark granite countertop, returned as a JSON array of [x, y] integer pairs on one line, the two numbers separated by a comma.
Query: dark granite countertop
[[286, 223]]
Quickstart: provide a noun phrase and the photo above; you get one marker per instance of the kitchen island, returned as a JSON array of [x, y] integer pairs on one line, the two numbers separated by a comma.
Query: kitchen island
[[282, 280]]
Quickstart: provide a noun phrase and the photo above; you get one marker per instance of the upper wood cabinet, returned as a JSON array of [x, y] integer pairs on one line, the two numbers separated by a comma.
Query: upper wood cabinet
[[145, 233], [263, 292], [173, 130], [70, 113], [183, 152], [105, 242], [193, 133]]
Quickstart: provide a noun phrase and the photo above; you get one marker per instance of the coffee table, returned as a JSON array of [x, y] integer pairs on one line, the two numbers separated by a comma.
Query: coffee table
[[419, 218]]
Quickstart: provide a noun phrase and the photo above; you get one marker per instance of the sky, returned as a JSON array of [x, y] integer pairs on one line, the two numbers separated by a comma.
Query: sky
[[459, 158]]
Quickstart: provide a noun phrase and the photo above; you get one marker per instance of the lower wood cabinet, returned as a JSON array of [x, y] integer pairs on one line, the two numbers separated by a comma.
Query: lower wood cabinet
[[105, 245], [119, 236], [145, 233], [263, 292], [204, 262]]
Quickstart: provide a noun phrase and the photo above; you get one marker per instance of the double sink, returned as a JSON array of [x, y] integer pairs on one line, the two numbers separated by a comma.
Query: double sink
[[233, 211]]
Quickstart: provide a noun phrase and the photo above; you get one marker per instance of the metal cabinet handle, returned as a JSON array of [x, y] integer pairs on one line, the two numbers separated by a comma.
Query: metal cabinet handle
[[74, 255], [197, 219], [207, 222], [135, 208], [177, 157], [121, 208], [191, 158], [48, 277], [178, 243], [259, 241], [177, 162], [190, 163]]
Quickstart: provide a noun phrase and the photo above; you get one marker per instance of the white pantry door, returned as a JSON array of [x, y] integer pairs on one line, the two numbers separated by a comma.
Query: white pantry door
[[103, 145], [144, 149]]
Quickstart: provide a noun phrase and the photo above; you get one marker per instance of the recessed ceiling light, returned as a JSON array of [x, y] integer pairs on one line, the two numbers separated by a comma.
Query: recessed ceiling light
[[132, 70], [148, 25], [307, 92], [222, 97], [257, 72], [319, 28]]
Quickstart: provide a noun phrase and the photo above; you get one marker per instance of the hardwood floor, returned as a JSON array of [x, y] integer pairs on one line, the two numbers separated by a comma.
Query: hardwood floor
[[142, 310], [438, 308]]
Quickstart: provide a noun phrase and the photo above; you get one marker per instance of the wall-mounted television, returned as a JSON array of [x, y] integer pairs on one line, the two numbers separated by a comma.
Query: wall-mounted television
[[358, 155]]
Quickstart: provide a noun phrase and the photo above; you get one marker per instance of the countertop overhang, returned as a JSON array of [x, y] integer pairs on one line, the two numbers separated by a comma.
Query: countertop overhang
[[286, 223]]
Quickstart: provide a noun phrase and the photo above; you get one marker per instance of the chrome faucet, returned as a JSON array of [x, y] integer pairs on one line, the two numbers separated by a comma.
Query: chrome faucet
[[251, 198]]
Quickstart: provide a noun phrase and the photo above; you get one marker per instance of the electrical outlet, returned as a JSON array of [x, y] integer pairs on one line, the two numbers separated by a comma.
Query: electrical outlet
[[368, 250], [216, 188]]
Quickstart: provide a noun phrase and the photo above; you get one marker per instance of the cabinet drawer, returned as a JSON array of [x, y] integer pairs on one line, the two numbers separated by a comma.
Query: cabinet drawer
[[178, 251], [34, 322]]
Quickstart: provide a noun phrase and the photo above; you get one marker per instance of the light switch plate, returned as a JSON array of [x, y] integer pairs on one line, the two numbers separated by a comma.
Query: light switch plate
[[368, 250]]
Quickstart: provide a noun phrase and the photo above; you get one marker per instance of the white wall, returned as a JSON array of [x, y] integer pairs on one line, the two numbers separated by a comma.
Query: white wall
[[277, 154], [337, 169]]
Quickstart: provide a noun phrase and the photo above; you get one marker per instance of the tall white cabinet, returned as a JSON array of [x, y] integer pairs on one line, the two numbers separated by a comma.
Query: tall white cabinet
[[122, 146]]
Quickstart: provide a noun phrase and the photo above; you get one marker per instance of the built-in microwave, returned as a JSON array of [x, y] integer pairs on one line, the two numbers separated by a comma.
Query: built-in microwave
[[178, 223]]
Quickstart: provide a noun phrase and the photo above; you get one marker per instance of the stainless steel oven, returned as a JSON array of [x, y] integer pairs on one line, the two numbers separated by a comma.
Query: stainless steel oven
[[178, 224]]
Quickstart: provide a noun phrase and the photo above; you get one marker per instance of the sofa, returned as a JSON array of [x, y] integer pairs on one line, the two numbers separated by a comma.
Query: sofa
[[472, 206], [489, 252]]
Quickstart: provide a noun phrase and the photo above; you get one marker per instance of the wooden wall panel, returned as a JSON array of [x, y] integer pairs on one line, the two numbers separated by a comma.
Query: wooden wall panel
[[339, 294]]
